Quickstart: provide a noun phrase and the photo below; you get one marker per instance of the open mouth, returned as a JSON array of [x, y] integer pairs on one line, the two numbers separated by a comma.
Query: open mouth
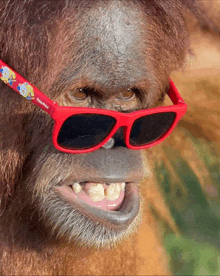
[[113, 204]]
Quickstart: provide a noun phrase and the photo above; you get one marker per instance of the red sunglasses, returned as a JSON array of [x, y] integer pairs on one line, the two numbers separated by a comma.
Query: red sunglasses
[[83, 129]]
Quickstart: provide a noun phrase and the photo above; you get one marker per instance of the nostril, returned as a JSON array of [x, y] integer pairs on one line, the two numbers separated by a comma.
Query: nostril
[[116, 141], [109, 144]]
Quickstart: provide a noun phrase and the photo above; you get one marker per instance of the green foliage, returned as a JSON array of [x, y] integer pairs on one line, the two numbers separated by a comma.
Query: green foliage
[[189, 257], [192, 193]]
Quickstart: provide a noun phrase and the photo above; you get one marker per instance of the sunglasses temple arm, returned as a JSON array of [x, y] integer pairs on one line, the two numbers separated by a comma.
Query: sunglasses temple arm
[[26, 89], [174, 94]]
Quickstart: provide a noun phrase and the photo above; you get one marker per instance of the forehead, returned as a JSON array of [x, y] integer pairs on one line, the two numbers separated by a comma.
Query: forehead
[[106, 44]]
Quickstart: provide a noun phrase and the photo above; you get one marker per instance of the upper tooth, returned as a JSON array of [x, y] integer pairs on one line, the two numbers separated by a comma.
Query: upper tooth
[[96, 192], [113, 191], [122, 186], [77, 187]]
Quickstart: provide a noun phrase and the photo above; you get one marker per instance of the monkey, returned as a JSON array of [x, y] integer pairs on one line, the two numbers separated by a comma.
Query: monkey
[[110, 56]]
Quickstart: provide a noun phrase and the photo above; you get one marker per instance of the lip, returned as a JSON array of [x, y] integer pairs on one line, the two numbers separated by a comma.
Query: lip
[[118, 219]]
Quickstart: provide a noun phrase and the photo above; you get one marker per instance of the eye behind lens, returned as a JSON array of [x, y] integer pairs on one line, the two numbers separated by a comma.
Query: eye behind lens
[[150, 128], [83, 131]]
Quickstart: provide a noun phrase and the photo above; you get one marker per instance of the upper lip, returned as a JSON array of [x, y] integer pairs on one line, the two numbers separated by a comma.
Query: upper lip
[[71, 181]]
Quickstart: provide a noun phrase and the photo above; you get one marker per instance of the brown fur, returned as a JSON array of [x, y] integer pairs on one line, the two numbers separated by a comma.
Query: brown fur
[[54, 45]]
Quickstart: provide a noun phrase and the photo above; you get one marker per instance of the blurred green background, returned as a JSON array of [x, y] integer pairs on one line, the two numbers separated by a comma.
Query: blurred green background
[[189, 180]]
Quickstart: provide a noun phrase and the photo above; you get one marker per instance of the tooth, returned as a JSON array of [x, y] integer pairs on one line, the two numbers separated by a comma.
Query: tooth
[[122, 186], [113, 191], [96, 192], [76, 188]]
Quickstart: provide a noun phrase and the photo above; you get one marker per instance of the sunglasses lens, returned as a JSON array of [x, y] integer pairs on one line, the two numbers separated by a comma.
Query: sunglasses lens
[[150, 128], [84, 131]]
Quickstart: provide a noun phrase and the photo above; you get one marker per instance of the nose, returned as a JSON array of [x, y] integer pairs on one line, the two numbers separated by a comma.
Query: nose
[[116, 141]]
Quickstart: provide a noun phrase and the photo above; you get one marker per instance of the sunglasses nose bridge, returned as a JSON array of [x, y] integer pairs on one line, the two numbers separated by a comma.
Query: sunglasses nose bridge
[[118, 138], [124, 124]]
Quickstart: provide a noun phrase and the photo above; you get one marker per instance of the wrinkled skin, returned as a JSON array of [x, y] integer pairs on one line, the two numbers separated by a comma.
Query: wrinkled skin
[[87, 54]]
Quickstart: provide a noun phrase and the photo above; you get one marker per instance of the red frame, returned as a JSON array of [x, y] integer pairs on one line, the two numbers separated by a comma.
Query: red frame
[[61, 113]]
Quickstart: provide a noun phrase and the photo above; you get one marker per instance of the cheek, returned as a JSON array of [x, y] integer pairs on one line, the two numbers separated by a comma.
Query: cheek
[[51, 169]]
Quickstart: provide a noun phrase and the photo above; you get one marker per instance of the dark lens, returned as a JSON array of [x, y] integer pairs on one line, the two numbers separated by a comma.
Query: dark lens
[[150, 128], [83, 131]]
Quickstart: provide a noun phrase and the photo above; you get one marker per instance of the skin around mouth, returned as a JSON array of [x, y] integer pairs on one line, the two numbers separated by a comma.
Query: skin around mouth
[[116, 204]]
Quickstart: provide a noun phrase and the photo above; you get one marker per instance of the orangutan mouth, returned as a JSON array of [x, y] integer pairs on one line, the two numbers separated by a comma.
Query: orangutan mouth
[[115, 203]]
